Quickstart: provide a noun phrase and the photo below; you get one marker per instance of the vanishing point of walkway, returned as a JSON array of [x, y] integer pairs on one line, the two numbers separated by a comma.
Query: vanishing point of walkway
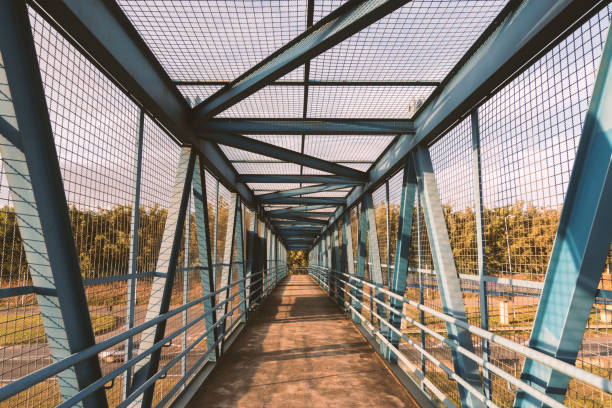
[[299, 350]]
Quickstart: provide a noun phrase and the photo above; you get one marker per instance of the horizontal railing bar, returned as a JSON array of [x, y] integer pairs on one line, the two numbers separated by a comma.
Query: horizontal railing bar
[[40, 375], [493, 368], [556, 364]]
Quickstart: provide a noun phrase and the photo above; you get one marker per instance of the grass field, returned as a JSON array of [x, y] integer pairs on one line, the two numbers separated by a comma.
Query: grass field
[[25, 329]]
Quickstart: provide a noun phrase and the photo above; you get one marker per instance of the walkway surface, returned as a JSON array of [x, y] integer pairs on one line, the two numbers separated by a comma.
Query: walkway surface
[[299, 350]]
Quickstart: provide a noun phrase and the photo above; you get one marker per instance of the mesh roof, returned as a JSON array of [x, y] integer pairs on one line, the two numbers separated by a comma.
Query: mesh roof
[[387, 70]]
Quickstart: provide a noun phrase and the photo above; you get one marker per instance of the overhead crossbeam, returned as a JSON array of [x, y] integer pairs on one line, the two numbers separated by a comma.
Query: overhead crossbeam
[[291, 210], [270, 150], [309, 126], [315, 221], [317, 83], [317, 214], [297, 178], [306, 200], [306, 190], [340, 24]]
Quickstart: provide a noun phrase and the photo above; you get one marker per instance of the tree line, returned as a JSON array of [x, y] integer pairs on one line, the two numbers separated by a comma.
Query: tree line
[[518, 239]]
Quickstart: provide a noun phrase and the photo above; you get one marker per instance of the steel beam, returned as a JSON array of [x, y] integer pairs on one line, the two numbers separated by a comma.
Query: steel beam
[[521, 33], [361, 256], [310, 126], [308, 214], [228, 260], [340, 24], [32, 169], [133, 261], [161, 289], [108, 38], [480, 245], [449, 285], [402, 251], [580, 248], [347, 244], [207, 274], [306, 200], [318, 83], [290, 217], [297, 178], [270, 150], [306, 190], [290, 210]]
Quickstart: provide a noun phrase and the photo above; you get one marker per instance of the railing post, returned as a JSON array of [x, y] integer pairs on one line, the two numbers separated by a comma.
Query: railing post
[[33, 173], [402, 250], [480, 243], [186, 283], [163, 282], [580, 248], [449, 285]]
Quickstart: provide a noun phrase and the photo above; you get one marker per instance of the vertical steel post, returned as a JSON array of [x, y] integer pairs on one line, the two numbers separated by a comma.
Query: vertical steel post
[[228, 258], [207, 275], [252, 235], [33, 173], [376, 275], [361, 256], [402, 250], [480, 242], [580, 248], [133, 261], [347, 242], [215, 234], [239, 264], [163, 282], [186, 282], [388, 219], [420, 266], [449, 285]]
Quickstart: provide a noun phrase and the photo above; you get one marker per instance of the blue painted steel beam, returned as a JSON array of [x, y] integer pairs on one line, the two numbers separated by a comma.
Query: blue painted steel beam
[[309, 126], [316, 214], [291, 217], [340, 24], [298, 209], [270, 150], [306, 190], [207, 275], [520, 33], [580, 248], [306, 200], [297, 178], [318, 83], [449, 286], [402, 251], [32, 169]]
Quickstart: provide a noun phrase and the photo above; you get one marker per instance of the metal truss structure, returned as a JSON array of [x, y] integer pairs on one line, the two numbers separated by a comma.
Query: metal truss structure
[[438, 163]]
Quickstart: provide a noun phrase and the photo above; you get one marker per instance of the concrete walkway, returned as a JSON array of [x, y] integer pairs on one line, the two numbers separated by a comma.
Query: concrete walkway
[[299, 350]]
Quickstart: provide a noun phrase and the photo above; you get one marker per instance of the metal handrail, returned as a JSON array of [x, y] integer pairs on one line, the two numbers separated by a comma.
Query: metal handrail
[[556, 364], [42, 374]]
